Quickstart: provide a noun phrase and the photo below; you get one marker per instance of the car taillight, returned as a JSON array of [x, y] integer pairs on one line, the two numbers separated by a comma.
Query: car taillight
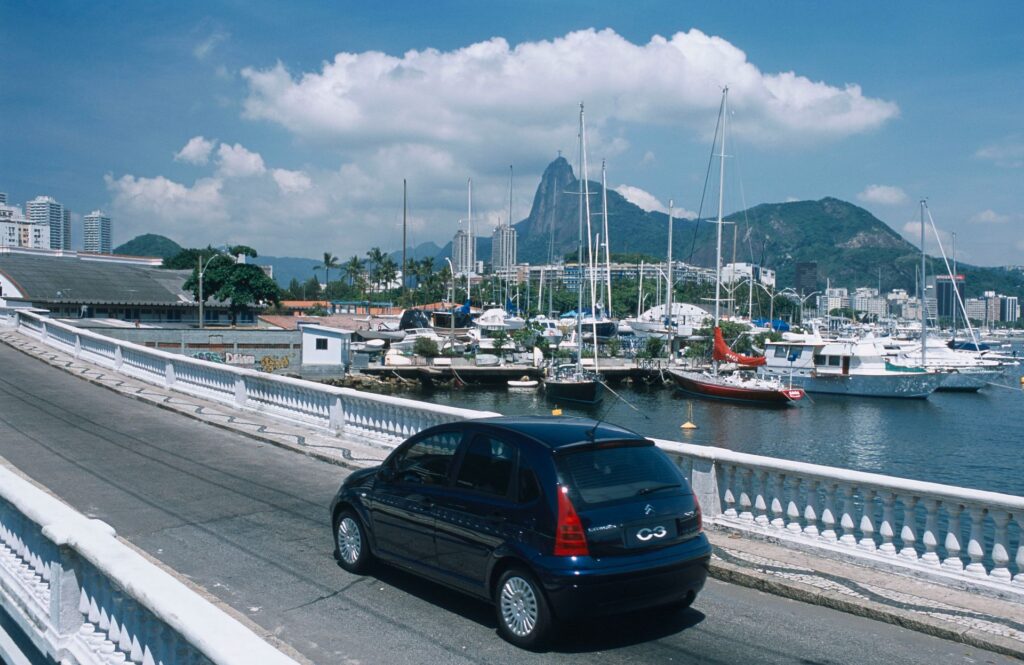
[[700, 515], [569, 537]]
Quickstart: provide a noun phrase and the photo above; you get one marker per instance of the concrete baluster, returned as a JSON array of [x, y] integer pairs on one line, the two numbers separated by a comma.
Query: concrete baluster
[[867, 522], [779, 482], [118, 358], [952, 561], [78, 346], [1000, 547], [730, 496], [975, 548], [760, 501], [745, 503], [930, 537], [65, 592], [828, 513], [1018, 579], [908, 533], [241, 391], [886, 531], [810, 510], [792, 509], [849, 537]]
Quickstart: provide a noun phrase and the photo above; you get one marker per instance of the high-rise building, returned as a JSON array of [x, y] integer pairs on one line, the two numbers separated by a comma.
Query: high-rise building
[[97, 232], [945, 293], [17, 231], [45, 210], [503, 248], [1009, 309], [3, 198], [806, 277], [463, 254]]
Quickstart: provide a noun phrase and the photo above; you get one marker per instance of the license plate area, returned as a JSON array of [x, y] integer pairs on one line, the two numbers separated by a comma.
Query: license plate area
[[651, 533]]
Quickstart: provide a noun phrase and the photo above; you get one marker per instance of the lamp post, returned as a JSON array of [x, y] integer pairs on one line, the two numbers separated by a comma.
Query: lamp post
[[202, 271], [771, 302], [802, 300], [451, 316]]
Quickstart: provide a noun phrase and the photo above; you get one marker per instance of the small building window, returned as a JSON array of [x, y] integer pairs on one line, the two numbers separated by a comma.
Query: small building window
[[321, 343]]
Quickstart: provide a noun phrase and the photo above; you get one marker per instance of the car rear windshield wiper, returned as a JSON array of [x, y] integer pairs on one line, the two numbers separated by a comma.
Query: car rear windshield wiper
[[655, 488]]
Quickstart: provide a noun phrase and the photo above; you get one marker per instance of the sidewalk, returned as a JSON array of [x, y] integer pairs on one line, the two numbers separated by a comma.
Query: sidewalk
[[947, 613]]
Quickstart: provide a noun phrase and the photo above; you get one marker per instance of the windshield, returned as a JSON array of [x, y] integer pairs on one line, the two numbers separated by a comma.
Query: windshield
[[612, 472]]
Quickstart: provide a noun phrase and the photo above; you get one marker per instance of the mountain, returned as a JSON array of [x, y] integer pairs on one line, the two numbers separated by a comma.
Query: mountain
[[288, 267], [149, 244], [419, 252], [850, 245]]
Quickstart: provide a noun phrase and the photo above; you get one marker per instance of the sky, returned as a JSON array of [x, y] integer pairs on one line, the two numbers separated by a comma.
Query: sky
[[291, 126]]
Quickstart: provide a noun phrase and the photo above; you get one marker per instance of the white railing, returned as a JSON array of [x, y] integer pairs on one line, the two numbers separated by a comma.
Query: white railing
[[340, 410], [963, 537], [953, 535], [83, 597]]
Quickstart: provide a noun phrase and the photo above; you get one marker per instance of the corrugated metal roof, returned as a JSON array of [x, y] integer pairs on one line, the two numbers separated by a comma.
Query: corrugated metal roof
[[68, 279]]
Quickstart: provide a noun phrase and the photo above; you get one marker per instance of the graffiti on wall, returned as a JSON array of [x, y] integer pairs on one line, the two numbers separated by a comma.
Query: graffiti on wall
[[270, 363]]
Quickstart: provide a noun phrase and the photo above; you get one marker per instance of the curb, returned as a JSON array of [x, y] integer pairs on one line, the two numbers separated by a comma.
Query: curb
[[733, 574]]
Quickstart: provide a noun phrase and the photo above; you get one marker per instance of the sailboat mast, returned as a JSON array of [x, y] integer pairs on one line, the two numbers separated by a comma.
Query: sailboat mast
[[579, 260], [405, 213], [955, 289], [721, 200], [607, 249], [924, 289], [472, 241], [668, 291]]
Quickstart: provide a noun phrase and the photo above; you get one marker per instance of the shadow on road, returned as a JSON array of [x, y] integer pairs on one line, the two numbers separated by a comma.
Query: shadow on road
[[597, 634]]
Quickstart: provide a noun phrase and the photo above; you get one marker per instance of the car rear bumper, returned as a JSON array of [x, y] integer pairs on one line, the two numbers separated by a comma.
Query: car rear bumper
[[606, 586]]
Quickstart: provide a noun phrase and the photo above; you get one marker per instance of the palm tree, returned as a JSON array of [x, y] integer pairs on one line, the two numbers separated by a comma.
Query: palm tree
[[330, 261], [376, 257], [353, 268], [387, 271]]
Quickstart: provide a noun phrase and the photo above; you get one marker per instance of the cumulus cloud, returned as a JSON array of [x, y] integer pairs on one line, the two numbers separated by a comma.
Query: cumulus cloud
[[291, 182], [988, 216], [234, 161], [196, 151], [164, 200], [1007, 154], [883, 195], [642, 198], [526, 92]]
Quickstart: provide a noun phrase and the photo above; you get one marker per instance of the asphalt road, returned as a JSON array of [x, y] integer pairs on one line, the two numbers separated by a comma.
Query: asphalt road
[[248, 522]]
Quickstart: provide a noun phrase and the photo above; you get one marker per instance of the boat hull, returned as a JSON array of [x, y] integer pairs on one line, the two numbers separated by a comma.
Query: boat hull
[[694, 383], [903, 385], [578, 392], [967, 381]]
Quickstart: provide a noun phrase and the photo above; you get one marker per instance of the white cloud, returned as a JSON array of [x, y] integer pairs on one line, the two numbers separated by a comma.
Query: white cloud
[[1007, 154], [492, 91], [164, 200], [207, 45], [988, 217], [291, 182], [641, 198], [196, 151], [883, 195], [234, 161], [791, 199]]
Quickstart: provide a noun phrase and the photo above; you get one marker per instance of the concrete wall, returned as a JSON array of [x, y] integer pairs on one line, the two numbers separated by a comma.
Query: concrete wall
[[268, 350], [335, 344]]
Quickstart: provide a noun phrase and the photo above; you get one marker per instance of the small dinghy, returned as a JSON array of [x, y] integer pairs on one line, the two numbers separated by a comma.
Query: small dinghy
[[524, 382]]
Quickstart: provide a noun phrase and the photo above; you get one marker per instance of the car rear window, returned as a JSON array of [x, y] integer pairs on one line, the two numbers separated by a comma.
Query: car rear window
[[612, 472]]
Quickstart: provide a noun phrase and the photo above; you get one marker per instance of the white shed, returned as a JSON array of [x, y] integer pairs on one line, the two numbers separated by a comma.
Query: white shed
[[326, 346]]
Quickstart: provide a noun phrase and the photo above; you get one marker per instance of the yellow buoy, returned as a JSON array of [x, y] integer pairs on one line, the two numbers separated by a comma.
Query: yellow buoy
[[1022, 382], [556, 411], [689, 418]]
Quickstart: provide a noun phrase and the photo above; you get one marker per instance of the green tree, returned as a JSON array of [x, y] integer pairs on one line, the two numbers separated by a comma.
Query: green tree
[[188, 259], [500, 338], [241, 285], [329, 264], [376, 258], [353, 269], [426, 347], [244, 250]]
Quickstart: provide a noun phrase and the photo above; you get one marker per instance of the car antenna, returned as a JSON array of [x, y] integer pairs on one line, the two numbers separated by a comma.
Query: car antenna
[[608, 409]]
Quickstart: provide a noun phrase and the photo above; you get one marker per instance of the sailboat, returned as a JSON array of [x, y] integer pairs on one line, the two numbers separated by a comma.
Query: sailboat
[[735, 386], [570, 382]]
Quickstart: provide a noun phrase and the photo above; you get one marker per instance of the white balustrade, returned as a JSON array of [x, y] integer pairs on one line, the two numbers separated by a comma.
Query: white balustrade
[[835, 512], [882, 520]]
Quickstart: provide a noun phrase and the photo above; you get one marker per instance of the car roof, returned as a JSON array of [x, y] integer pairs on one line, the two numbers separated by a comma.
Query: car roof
[[557, 431]]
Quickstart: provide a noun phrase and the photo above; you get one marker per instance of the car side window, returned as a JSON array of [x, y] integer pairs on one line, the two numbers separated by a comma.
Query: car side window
[[487, 466], [529, 488], [429, 460]]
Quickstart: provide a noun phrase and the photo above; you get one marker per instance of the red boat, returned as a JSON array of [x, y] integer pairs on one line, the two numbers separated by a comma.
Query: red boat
[[736, 387]]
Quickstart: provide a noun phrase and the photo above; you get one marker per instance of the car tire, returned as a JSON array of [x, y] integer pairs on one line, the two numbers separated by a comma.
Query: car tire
[[351, 546], [524, 617]]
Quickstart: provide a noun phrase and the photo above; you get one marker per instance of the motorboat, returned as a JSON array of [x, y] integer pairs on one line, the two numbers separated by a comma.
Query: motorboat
[[966, 371], [523, 383], [655, 322]]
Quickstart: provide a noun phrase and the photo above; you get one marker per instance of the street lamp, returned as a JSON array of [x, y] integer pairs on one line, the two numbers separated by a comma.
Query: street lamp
[[771, 302], [451, 315], [802, 300], [202, 271]]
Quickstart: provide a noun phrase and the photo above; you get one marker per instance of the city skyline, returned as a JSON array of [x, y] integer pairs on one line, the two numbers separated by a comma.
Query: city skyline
[[210, 125]]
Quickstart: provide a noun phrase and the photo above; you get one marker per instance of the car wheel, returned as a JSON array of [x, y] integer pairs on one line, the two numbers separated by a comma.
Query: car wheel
[[350, 544], [524, 618]]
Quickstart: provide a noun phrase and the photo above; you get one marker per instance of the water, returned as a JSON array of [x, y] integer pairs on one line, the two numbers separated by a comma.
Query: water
[[965, 439]]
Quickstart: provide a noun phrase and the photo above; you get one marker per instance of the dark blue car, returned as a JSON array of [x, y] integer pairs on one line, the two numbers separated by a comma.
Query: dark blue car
[[546, 518]]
